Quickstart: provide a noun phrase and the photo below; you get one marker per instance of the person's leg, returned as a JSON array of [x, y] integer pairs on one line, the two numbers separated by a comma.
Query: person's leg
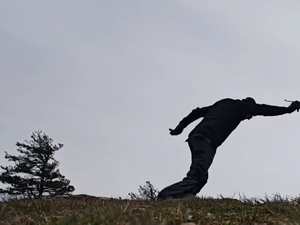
[[197, 176]]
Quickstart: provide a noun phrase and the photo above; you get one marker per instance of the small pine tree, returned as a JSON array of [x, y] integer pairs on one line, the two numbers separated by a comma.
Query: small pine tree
[[35, 172], [146, 192]]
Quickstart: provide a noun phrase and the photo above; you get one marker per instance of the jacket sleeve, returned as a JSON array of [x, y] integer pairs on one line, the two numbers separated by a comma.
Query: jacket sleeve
[[268, 110], [194, 115]]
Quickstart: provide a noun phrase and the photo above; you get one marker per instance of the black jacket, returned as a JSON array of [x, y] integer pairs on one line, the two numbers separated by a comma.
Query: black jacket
[[221, 118]]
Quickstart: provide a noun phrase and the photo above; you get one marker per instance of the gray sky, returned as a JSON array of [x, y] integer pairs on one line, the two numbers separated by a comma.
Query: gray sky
[[109, 78]]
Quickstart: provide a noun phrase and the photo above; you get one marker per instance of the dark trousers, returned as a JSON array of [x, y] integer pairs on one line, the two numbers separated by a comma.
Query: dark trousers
[[202, 158]]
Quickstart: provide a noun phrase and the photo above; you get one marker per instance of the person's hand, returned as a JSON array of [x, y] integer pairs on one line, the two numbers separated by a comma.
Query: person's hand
[[177, 130], [295, 105]]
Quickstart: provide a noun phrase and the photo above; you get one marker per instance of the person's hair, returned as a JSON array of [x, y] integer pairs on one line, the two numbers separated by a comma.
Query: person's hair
[[249, 100]]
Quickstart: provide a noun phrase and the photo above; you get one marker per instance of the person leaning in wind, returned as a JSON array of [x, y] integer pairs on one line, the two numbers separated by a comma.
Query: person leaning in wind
[[219, 120]]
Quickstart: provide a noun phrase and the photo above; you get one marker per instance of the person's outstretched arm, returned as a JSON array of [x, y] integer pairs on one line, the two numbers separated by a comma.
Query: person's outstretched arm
[[194, 115], [270, 110]]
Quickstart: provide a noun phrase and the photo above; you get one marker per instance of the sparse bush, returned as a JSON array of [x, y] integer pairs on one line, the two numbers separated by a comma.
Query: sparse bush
[[146, 192]]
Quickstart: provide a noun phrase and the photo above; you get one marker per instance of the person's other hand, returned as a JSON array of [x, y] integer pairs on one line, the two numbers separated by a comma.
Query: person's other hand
[[295, 105], [177, 130]]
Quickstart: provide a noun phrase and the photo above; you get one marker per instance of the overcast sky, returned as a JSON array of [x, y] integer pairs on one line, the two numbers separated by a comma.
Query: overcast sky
[[108, 79]]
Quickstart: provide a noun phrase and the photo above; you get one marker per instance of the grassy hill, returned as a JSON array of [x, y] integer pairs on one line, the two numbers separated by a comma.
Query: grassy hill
[[83, 209]]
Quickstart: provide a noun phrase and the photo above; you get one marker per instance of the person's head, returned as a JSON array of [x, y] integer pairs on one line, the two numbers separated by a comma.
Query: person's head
[[249, 100]]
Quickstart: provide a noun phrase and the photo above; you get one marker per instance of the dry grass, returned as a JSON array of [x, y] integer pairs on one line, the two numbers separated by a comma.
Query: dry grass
[[93, 211]]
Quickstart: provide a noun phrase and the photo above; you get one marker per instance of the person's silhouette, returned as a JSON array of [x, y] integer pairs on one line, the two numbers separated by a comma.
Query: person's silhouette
[[219, 120]]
